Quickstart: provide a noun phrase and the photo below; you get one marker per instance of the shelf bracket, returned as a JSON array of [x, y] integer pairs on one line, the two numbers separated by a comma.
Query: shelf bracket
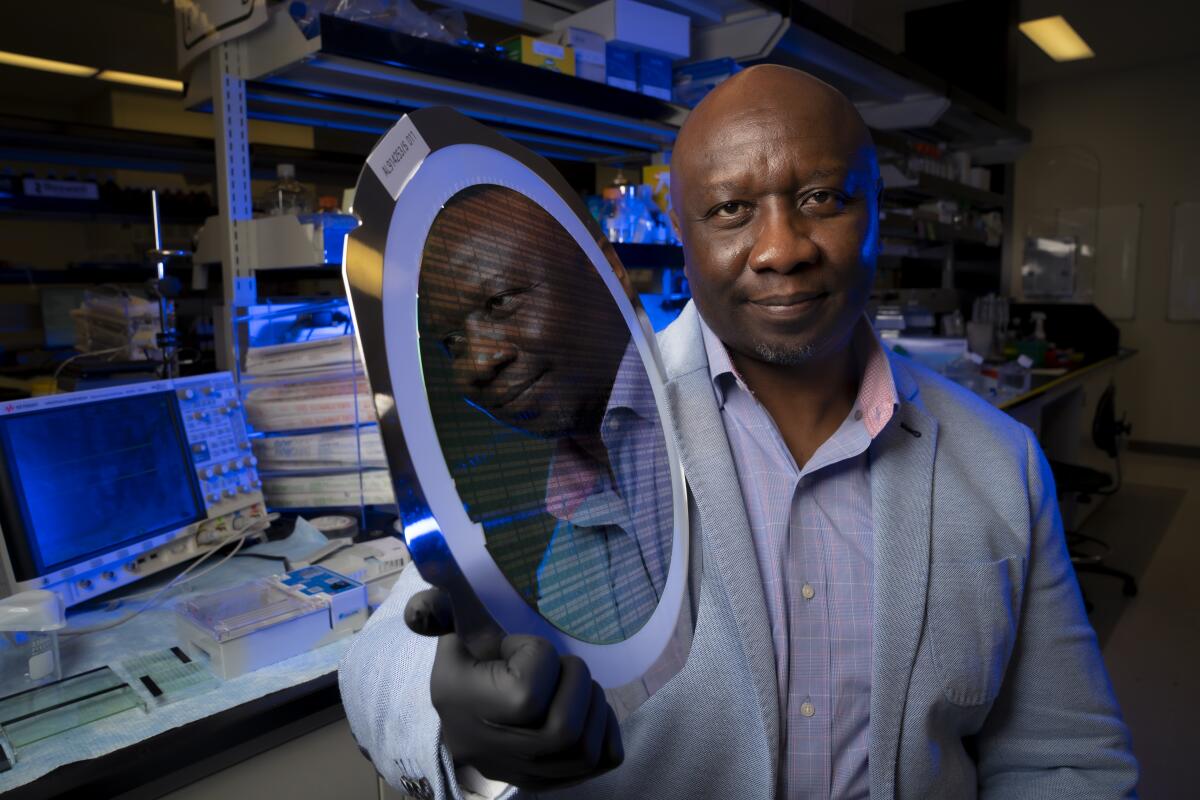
[[232, 148]]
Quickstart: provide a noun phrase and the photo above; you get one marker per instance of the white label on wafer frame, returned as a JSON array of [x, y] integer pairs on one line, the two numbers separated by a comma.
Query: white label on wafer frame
[[396, 157]]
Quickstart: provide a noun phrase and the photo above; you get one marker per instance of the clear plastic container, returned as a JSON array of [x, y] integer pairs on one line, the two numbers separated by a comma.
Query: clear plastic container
[[287, 195], [966, 372], [1015, 377], [29, 656]]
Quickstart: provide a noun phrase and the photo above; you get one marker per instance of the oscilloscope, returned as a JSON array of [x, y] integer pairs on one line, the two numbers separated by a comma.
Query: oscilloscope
[[101, 488]]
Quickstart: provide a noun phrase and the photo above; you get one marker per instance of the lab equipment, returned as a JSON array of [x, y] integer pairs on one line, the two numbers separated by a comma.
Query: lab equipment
[[503, 518], [169, 675], [287, 194], [271, 619], [101, 488], [966, 372], [1015, 377], [335, 525], [376, 563], [117, 324], [31, 621], [1048, 267], [45, 711], [889, 320], [932, 351]]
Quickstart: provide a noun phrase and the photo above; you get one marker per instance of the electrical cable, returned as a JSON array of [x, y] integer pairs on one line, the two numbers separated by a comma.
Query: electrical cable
[[58, 371], [174, 583], [257, 527], [155, 597]]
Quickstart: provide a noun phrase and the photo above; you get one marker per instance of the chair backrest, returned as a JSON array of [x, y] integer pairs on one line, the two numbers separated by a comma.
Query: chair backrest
[[1106, 428]]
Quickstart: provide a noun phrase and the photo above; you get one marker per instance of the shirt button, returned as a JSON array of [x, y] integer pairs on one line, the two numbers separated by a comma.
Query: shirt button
[[857, 414], [807, 709], [807, 591]]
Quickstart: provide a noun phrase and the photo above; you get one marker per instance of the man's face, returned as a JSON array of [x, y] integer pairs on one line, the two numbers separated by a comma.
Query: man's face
[[778, 210], [503, 294]]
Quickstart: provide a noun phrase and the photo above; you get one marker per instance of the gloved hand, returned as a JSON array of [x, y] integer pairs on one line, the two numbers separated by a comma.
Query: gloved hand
[[529, 718]]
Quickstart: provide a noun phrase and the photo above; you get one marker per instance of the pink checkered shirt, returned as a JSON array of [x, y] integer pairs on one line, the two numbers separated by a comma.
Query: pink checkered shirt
[[814, 537]]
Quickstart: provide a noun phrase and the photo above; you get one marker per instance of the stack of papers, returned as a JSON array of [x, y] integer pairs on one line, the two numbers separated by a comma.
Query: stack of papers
[[313, 402], [334, 354], [343, 400], [321, 491], [306, 452]]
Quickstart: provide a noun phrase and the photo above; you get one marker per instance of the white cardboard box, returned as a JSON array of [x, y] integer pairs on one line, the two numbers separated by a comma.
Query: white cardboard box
[[590, 53], [636, 25]]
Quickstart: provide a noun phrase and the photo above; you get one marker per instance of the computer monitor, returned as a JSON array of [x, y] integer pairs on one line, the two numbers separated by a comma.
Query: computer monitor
[[101, 488]]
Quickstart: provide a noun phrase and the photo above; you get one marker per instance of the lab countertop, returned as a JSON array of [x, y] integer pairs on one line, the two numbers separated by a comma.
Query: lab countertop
[[1044, 384], [194, 736]]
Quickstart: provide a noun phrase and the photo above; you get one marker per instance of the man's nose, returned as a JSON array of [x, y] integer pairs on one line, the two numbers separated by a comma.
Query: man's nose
[[489, 351], [784, 242]]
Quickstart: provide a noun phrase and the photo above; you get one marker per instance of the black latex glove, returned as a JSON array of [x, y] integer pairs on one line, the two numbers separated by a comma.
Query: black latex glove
[[529, 717]]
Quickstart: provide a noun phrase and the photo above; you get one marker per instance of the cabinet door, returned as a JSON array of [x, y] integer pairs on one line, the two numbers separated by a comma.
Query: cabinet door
[[317, 766]]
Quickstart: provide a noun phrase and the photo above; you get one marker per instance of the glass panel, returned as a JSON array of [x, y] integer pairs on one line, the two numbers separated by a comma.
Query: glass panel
[[545, 414], [49, 710], [1059, 193]]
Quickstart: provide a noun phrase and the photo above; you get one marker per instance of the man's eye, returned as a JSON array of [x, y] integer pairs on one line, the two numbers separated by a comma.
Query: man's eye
[[501, 301], [508, 300], [823, 199], [731, 209], [454, 344]]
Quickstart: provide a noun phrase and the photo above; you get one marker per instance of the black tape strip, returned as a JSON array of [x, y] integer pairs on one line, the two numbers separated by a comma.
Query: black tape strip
[[149, 683], [182, 656]]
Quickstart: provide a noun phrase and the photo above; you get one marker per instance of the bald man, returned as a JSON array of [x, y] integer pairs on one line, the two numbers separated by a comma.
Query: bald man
[[886, 605]]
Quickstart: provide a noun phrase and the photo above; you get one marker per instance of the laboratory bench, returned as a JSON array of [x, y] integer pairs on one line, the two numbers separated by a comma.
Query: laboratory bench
[[153, 753], [1060, 408], [1047, 390], [1050, 386]]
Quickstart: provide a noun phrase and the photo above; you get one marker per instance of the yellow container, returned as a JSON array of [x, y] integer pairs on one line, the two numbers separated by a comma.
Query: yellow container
[[658, 176], [541, 53]]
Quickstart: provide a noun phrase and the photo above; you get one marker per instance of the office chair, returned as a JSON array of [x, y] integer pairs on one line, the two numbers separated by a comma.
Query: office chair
[[1088, 552]]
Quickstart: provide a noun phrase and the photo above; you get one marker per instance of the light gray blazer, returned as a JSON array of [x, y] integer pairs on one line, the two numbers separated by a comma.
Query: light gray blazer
[[987, 680]]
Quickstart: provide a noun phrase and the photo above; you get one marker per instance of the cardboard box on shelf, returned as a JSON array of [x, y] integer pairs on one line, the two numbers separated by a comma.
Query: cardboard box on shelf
[[540, 53], [590, 53], [636, 25], [622, 67], [654, 75]]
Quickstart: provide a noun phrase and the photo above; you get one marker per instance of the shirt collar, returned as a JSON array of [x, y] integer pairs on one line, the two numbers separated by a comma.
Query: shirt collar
[[877, 396], [573, 476]]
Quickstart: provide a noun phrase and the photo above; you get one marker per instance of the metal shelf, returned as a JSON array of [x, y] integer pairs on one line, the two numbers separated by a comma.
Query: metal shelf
[[899, 226], [286, 243], [361, 78], [932, 187], [282, 242], [891, 92]]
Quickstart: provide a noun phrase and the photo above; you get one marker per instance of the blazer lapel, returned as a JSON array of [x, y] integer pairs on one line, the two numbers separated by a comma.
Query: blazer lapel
[[902, 506], [712, 477]]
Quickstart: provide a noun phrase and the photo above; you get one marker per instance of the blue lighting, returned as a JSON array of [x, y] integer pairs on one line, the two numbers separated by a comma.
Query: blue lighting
[[664, 137], [588, 149], [89, 478]]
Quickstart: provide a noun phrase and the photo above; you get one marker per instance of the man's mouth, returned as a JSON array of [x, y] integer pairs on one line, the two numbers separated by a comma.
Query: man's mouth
[[786, 305], [518, 390]]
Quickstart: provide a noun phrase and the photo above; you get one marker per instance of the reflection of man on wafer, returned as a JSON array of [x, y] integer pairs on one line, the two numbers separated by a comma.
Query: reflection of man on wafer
[[534, 341]]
